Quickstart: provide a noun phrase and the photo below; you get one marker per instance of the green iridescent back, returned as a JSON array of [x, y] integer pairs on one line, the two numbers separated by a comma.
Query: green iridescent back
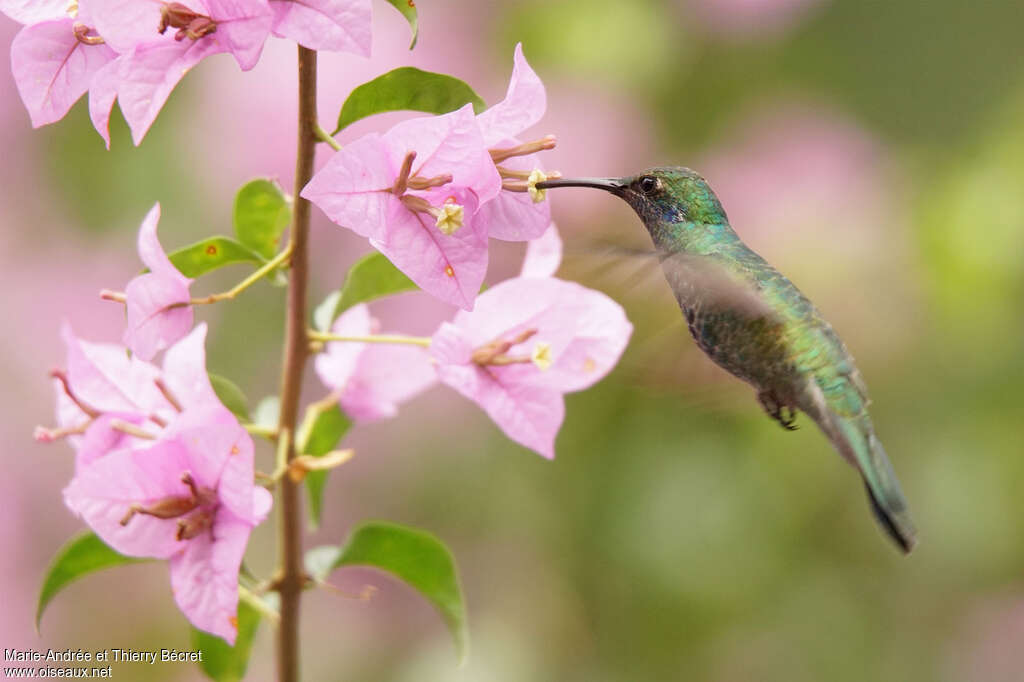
[[742, 312]]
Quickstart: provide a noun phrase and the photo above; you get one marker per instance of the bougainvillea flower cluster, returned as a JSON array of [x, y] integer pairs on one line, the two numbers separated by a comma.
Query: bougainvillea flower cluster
[[163, 470], [529, 340], [136, 51], [430, 192]]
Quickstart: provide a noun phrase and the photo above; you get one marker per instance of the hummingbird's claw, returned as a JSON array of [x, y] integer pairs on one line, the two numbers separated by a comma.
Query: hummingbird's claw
[[784, 414]]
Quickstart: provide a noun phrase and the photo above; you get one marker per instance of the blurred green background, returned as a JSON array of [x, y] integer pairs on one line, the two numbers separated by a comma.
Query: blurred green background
[[874, 151]]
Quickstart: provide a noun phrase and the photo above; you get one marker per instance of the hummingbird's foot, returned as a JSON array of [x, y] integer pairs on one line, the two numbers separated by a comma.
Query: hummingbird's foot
[[784, 414]]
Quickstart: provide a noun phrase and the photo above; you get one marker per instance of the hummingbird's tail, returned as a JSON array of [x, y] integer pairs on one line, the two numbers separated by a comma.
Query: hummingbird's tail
[[855, 439]]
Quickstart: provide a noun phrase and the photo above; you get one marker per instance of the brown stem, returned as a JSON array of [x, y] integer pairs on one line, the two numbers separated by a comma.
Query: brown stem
[[296, 347]]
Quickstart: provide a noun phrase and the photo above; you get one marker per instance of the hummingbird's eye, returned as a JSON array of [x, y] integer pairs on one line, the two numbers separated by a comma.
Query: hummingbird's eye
[[648, 184]]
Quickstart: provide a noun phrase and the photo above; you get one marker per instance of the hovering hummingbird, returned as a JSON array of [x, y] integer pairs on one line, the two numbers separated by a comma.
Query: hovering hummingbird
[[752, 321]]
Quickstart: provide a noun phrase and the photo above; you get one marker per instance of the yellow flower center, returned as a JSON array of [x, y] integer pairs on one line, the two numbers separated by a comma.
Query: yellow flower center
[[537, 175], [541, 356], [449, 218]]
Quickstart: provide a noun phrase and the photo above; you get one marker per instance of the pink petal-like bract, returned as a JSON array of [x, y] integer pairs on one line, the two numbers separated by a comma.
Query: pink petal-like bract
[[125, 24], [386, 377], [101, 438], [34, 11], [529, 415], [108, 379], [151, 64], [116, 386], [524, 104], [448, 144], [52, 69], [336, 365], [184, 371], [371, 380], [102, 93], [242, 26], [450, 267], [513, 216], [335, 25], [103, 492], [204, 451], [543, 255], [204, 577], [158, 310], [564, 337], [149, 72], [355, 190]]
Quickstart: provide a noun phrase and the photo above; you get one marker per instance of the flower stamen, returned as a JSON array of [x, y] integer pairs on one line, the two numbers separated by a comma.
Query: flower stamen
[[175, 506], [402, 181], [175, 403], [494, 352], [115, 296], [81, 32], [60, 376], [44, 435], [131, 429], [190, 24], [416, 182], [164, 508], [545, 143], [194, 526]]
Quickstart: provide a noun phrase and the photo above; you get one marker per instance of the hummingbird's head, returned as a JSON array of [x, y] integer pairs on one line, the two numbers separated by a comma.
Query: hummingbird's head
[[669, 194]]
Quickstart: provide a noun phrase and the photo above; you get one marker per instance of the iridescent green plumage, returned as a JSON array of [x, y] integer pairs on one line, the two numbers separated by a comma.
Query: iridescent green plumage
[[751, 320]]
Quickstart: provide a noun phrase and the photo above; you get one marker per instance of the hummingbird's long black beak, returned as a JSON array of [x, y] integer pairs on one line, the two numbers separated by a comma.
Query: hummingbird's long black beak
[[613, 185]]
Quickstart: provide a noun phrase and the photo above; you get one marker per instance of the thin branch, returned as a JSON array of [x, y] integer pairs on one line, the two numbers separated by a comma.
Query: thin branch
[[373, 338], [256, 276], [324, 136], [290, 577]]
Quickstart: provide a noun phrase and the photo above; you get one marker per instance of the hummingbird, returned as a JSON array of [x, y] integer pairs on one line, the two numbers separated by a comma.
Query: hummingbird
[[753, 322]]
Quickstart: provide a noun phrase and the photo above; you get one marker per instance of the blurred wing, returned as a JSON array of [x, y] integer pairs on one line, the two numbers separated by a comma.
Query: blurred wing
[[693, 276], [704, 279], [665, 361]]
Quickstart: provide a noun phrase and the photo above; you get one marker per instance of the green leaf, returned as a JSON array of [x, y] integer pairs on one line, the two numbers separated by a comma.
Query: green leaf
[[267, 412], [414, 556], [81, 556], [221, 661], [320, 560], [212, 253], [323, 436], [408, 10], [260, 216], [231, 395], [407, 89], [323, 315], [371, 277]]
